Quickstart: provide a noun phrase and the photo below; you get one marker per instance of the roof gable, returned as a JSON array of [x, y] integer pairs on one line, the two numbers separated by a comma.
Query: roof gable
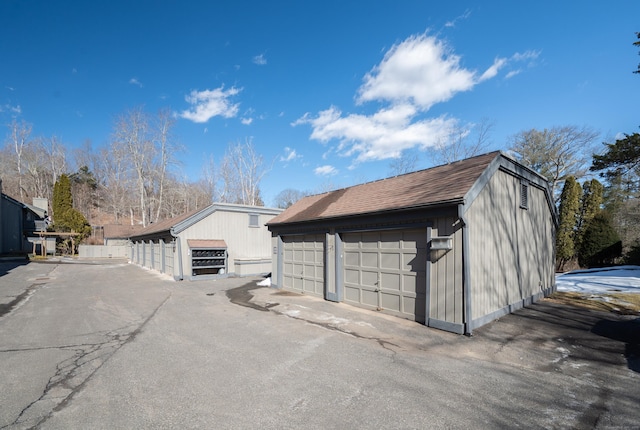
[[181, 222], [120, 231], [446, 184]]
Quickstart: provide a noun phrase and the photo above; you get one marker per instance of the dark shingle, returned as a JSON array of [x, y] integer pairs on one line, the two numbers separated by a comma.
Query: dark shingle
[[437, 185]]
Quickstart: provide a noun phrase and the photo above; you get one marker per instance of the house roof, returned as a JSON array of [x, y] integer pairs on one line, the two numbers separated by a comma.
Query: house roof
[[20, 204], [120, 231], [179, 223], [441, 185]]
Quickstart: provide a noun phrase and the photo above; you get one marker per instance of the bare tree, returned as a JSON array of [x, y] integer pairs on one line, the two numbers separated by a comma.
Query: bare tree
[[19, 134], [36, 176], [166, 149], [209, 177], [116, 181], [241, 171], [555, 153], [56, 155], [289, 196], [406, 163], [132, 132], [463, 142]]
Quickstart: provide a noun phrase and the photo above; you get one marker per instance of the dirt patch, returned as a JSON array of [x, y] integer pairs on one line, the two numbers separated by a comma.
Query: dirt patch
[[619, 303], [285, 293]]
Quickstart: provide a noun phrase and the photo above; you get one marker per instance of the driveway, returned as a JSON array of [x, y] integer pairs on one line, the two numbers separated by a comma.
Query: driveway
[[110, 345]]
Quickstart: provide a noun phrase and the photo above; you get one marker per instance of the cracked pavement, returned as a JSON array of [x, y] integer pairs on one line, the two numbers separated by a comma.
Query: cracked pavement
[[110, 345]]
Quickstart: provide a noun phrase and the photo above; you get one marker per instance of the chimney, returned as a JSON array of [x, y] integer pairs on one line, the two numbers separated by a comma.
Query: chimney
[[41, 203]]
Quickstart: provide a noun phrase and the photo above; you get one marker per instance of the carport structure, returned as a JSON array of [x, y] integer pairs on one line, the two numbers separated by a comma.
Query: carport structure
[[452, 247]]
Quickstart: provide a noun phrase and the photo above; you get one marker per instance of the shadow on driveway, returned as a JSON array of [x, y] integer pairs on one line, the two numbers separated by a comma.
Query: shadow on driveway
[[594, 336], [627, 332]]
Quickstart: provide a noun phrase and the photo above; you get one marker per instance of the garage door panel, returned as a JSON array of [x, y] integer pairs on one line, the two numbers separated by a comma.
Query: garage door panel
[[352, 276], [352, 259], [391, 302], [390, 261], [413, 239], [417, 305], [369, 259], [415, 262], [369, 240], [309, 255], [303, 266], [391, 274], [410, 283], [390, 239], [369, 298], [369, 279], [390, 281]]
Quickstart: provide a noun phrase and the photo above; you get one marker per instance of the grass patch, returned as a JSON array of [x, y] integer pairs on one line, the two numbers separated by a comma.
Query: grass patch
[[620, 303]]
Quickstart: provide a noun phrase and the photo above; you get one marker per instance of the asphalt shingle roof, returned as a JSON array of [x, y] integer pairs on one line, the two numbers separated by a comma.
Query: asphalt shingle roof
[[437, 185]]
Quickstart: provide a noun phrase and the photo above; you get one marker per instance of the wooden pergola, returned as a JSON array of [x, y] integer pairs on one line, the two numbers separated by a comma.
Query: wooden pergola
[[61, 234]]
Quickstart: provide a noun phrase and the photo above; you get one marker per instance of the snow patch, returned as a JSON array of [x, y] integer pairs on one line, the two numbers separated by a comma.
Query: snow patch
[[266, 282], [619, 279]]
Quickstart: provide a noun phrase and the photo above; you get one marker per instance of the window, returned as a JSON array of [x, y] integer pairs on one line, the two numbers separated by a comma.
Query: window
[[524, 194], [254, 220]]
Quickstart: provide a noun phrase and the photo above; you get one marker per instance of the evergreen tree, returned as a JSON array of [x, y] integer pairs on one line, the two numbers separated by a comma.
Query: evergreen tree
[[568, 220], [65, 217], [592, 198], [621, 158], [600, 245], [62, 201]]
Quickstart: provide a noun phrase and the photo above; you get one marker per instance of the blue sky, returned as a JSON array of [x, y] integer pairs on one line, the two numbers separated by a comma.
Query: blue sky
[[328, 91]]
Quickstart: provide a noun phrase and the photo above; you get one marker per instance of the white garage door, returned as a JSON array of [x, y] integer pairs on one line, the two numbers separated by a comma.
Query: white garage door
[[304, 264], [386, 271]]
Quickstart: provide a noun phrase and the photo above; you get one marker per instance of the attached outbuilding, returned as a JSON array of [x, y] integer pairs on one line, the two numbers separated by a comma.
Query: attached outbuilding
[[453, 247], [19, 225], [219, 240]]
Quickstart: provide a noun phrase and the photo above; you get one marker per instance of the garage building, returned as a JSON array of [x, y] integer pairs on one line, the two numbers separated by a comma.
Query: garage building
[[453, 247], [220, 240]]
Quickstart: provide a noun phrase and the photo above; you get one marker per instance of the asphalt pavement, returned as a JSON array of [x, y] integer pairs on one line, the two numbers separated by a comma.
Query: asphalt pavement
[[109, 345]]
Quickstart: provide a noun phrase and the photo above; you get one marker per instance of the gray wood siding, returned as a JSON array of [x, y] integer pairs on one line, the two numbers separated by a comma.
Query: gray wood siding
[[446, 274], [511, 248]]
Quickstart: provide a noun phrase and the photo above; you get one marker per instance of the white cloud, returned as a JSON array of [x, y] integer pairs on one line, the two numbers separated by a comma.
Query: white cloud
[[289, 155], [13, 109], [246, 121], [421, 70], [135, 81], [209, 103], [527, 55], [380, 136], [454, 22], [413, 75], [326, 170], [260, 60], [492, 71], [512, 73]]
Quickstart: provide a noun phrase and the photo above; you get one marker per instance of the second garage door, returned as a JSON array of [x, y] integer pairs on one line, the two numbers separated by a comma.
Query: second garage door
[[386, 271], [304, 264]]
